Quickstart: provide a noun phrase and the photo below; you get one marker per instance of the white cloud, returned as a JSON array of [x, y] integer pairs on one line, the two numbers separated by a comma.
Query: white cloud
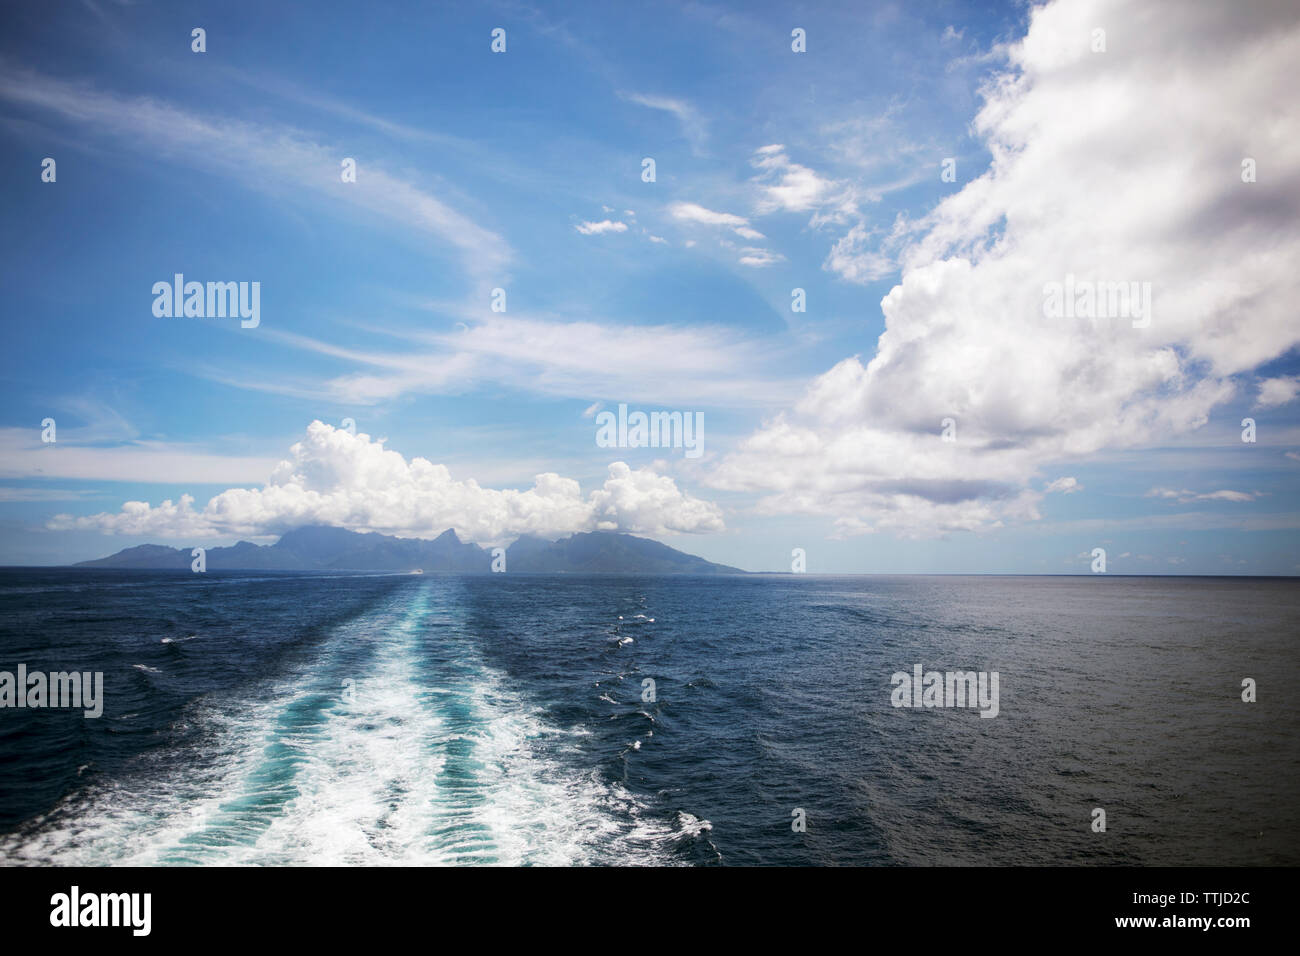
[[790, 187], [853, 257], [596, 228], [965, 336], [350, 481], [1277, 391], [1186, 497], [45, 494], [1065, 485], [692, 124], [271, 159], [692, 212], [23, 455], [861, 255], [640, 500], [710, 365], [758, 258]]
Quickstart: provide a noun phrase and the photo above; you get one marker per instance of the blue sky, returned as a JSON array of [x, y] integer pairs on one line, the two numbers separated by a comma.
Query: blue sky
[[774, 170]]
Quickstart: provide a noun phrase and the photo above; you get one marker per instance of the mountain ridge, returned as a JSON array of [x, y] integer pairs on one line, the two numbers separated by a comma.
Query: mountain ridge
[[329, 548]]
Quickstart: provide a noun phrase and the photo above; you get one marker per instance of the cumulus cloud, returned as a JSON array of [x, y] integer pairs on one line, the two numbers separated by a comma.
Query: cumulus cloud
[[1102, 169], [640, 500], [787, 186], [596, 228], [1277, 391], [1066, 486], [336, 478]]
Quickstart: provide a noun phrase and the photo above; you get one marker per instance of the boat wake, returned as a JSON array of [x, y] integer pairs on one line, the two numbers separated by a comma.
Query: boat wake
[[396, 745]]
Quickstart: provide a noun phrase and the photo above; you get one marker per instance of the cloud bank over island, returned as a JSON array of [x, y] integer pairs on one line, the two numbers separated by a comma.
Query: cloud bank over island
[[352, 481]]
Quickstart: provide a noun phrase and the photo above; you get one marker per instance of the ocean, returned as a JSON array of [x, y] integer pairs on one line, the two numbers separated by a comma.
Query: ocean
[[381, 719]]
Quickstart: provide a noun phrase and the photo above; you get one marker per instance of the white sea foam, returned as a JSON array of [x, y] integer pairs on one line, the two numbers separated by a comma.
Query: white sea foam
[[394, 772], [692, 825]]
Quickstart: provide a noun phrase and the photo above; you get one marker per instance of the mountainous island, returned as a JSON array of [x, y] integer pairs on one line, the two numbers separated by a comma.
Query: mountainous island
[[323, 548]]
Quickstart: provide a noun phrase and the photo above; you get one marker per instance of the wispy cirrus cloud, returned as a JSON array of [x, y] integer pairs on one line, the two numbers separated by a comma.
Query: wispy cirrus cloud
[[689, 212], [694, 212], [687, 366], [277, 160], [758, 258], [1186, 497], [24, 456], [692, 124]]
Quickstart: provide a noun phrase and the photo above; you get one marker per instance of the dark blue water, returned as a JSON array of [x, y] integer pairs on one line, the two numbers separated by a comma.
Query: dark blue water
[[293, 718]]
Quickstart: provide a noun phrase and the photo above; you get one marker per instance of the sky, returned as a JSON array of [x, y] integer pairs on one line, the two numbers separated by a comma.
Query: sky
[[951, 287]]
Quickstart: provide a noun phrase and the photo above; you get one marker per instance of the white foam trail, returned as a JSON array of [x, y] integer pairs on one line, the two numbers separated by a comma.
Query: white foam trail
[[464, 772]]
